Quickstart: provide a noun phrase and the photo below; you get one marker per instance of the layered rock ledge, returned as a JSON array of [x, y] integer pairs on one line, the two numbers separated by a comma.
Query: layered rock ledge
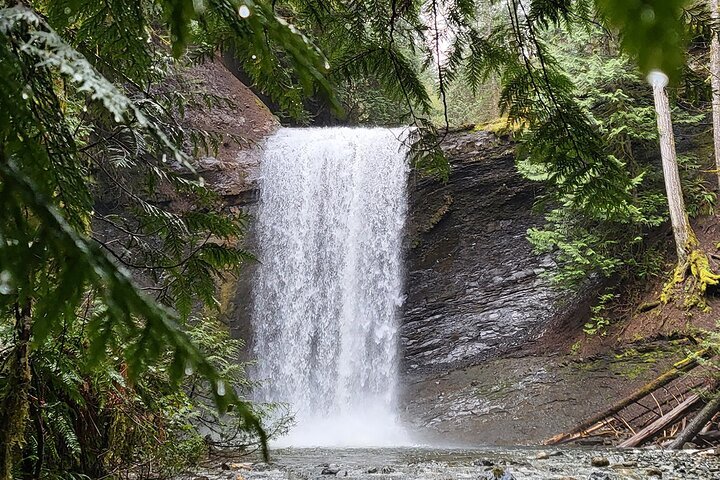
[[475, 289]]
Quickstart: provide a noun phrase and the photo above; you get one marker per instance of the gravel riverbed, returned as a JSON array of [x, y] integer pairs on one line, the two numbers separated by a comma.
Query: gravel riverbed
[[479, 464]]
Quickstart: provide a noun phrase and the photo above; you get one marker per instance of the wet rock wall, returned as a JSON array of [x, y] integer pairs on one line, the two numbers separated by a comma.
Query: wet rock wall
[[475, 289]]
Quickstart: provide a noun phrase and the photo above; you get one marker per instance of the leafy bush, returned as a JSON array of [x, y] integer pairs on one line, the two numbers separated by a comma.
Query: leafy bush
[[598, 320]]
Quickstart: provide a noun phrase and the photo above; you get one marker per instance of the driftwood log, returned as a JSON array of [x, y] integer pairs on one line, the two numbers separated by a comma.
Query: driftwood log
[[660, 423], [697, 423], [676, 371]]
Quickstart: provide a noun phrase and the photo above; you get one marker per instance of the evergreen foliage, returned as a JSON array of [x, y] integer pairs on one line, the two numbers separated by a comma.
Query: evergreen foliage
[[650, 31], [79, 117], [615, 96]]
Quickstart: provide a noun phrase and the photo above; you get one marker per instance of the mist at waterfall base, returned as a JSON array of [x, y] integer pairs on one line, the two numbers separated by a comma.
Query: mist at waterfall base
[[328, 289]]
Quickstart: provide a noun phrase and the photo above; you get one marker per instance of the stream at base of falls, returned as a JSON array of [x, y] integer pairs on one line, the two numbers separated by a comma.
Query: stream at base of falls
[[517, 463]]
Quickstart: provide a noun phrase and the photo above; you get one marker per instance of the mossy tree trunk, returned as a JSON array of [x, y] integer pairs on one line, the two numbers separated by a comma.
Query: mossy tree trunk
[[14, 398], [693, 267]]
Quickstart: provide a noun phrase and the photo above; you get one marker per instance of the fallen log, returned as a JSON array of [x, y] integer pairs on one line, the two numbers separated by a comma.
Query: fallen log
[[697, 423], [660, 423], [712, 436], [593, 428], [677, 370]]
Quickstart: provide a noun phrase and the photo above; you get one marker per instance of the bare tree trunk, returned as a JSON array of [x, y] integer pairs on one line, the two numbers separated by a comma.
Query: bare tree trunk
[[678, 215], [715, 82]]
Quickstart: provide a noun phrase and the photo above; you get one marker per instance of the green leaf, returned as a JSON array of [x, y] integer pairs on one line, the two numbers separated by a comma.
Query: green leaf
[[179, 14], [652, 31]]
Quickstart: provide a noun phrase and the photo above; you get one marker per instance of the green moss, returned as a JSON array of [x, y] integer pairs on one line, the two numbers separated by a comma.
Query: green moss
[[499, 126], [701, 270], [632, 363], [498, 472], [691, 279], [226, 288], [589, 365], [439, 214]]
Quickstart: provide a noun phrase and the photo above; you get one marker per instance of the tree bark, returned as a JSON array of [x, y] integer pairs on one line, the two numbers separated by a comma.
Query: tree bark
[[697, 423], [715, 82], [678, 215]]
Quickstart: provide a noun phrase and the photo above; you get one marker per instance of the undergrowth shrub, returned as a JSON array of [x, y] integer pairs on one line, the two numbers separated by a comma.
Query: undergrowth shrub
[[94, 422]]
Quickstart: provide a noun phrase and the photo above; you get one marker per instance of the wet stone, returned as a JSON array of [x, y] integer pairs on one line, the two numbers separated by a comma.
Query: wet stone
[[654, 472], [546, 455]]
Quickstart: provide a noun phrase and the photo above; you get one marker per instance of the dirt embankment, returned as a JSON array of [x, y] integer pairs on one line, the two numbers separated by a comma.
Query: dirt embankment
[[638, 317]]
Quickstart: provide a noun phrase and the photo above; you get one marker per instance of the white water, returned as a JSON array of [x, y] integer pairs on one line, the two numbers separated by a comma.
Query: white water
[[329, 286]]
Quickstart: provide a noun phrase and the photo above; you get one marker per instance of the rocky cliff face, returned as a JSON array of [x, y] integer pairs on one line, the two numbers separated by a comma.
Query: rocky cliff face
[[474, 287], [239, 118]]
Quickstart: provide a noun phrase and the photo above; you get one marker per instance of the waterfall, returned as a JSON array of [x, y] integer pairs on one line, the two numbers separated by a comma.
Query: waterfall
[[329, 285]]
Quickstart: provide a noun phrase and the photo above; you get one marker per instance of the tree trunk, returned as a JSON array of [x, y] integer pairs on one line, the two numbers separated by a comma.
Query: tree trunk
[[715, 82], [697, 423], [678, 215], [14, 398]]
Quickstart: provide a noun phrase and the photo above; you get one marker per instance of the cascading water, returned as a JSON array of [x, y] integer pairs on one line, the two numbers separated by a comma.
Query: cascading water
[[329, 285]]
